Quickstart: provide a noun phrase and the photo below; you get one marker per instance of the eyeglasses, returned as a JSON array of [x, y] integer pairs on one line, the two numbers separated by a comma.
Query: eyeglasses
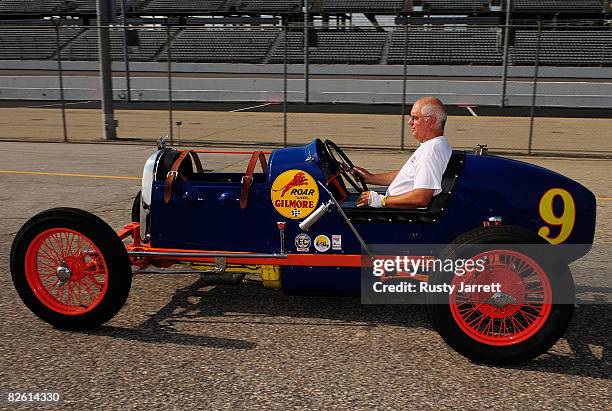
[[415, 118]]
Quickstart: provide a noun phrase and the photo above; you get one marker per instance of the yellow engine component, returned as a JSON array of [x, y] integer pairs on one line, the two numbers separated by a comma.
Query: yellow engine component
[[270, 274]]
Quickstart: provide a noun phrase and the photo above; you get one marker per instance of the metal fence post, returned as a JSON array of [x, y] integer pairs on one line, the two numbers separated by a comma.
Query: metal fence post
[[285, 86], [104, 13], [506, 53], [126, 58], [535, 86], [169, 55], [403, 125], [61, 79]]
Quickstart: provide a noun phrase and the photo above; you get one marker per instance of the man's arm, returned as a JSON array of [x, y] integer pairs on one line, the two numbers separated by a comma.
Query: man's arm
[[420, 197], [383, 179]]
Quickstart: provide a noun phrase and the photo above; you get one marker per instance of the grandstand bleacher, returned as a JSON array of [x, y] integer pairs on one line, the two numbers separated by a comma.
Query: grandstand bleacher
[[222, 45], [10, 7], [333, 48], [466, 6], [271, 6], [530, 6], [429, 45], [32, 44], [564, 47], [439, 37], [85, 46], [361, 6], [182, 6]]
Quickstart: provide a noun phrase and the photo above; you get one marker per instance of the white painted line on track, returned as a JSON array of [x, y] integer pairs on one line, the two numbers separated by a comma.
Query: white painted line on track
[[44, 173], [59, 104], [248, 108], [471, 110]]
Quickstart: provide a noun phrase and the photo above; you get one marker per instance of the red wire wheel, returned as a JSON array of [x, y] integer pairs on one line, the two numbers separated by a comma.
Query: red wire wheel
[[66, 271], [509, 314], [507, 324], [70, 268]]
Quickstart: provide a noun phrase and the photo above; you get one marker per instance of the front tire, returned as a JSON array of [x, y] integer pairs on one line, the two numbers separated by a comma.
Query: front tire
[[70, 268], [539, 299]]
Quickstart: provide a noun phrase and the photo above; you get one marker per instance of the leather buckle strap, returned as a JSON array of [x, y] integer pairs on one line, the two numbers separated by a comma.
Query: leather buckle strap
[[247, 179], [172, 175]]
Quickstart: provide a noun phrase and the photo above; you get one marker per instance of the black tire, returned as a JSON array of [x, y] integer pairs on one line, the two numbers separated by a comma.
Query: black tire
[[484, 350], [91, 248], [136, 207]]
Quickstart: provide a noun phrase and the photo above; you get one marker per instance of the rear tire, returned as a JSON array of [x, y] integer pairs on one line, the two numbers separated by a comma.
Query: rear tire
[[518, 331], [70, 268]]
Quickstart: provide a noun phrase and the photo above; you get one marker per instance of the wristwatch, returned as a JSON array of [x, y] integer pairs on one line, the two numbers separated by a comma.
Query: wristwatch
[[383, 201]]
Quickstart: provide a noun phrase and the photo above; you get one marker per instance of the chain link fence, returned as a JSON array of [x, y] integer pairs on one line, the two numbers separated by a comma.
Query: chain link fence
[[520, 89]]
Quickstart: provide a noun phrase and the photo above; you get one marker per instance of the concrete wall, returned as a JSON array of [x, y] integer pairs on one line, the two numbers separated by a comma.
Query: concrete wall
[[469, 85]]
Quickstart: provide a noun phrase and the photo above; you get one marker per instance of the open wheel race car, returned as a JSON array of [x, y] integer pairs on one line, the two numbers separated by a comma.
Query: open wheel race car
[[295, 224]]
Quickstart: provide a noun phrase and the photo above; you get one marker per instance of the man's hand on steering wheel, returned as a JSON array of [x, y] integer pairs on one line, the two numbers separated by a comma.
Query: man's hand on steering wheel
[[365, 174]]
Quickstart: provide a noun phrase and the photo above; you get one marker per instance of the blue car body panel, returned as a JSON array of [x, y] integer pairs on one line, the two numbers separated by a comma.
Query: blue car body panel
[[205, 213]]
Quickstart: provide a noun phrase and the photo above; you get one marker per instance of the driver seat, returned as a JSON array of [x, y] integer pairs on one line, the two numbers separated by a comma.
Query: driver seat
[[429, 214]]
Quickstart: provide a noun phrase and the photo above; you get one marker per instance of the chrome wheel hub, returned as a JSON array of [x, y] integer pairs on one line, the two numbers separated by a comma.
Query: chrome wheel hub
[[63, 273]]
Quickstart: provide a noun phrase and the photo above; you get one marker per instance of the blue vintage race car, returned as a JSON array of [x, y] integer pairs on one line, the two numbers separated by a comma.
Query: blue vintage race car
[[291, 218]]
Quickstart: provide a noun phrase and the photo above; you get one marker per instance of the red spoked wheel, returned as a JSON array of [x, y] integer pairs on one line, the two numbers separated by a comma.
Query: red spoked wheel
[[70, 268], [509, 314], [66, 271], [514, 321]]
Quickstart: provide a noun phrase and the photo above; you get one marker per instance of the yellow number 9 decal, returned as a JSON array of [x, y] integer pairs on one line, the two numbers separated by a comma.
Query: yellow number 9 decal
[[565, 221]]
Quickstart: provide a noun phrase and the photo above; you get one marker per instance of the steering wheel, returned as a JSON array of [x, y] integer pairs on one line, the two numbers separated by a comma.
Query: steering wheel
[[345, 166]]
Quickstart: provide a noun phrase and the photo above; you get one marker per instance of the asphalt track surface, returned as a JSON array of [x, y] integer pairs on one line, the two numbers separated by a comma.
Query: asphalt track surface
[[182, 343]]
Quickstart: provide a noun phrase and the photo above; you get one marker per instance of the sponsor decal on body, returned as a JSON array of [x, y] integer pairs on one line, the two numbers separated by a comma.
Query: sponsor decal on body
[[336, 242], [294, 194], [302, 242], [322, 243]]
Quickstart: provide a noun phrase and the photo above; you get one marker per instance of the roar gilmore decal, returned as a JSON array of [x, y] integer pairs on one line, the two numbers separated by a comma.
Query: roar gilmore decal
[[294, 194]]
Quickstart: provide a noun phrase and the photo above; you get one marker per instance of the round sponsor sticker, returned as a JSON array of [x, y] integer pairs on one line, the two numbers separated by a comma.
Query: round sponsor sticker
[[302, 242], [322, 243], [294, 194]]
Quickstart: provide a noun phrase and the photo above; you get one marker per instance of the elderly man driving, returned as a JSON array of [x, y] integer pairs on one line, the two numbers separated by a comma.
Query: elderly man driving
[[415, 184]]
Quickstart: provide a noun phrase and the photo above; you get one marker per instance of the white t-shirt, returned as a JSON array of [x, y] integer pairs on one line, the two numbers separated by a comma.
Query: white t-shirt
[[424, 168]]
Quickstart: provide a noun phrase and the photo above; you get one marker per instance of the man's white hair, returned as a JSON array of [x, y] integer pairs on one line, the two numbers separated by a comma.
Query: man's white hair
[[437, 111]]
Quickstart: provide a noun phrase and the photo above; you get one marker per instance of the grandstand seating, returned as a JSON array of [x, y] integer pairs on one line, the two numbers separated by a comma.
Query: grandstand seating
[[55, 7], [222, 45], [30, 6], [202, 7], [182, 6], [32, 44], [563, 47], [269, 6], [363, 6], [443, 37], [89, 6], [456, 5], [85, 47], [333, 48], [557, 5], [429, 45]]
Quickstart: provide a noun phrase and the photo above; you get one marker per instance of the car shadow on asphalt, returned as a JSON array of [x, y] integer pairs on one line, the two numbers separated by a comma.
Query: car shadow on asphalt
[[161, 335], [588, 335]]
